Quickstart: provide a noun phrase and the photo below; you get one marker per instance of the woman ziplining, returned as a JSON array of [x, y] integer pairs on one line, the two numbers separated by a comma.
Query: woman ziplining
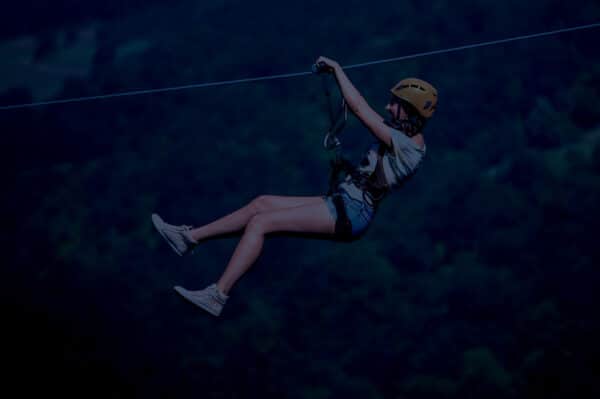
[[345, 212]]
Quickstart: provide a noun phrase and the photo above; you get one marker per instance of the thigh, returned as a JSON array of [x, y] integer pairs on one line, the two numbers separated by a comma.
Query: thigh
[[311, 218], [268, 203]]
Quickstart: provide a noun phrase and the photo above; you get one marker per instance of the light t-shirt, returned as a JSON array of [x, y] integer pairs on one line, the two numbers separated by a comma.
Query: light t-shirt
[[400, 162]]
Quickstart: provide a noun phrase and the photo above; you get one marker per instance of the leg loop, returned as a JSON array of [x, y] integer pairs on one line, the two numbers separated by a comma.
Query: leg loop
[[343, 226]]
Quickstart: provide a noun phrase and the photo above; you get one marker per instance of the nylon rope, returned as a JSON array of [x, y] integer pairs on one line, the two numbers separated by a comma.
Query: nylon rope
[[297, 74]]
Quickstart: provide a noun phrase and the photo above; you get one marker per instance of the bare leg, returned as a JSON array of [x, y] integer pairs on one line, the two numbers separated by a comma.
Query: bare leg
[[237, 220], [311, 218]]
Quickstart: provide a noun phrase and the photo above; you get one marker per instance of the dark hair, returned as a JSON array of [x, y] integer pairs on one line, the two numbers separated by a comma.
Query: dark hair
[[416, 120]]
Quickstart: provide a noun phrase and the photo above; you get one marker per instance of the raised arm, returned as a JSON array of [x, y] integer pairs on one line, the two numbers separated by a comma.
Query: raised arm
[[358, 105]]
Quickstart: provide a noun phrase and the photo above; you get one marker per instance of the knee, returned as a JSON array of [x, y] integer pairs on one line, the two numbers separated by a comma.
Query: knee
[[262, 203], [258, 224]]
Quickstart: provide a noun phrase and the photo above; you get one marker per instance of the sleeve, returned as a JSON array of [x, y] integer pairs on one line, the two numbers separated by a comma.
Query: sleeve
[[407, 155]]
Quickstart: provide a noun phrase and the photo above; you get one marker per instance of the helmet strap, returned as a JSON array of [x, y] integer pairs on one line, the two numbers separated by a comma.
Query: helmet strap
[[411, 126]]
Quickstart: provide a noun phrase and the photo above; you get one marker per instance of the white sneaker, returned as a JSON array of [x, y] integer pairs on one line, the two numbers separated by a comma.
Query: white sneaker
[[209, 299], [178, 237]]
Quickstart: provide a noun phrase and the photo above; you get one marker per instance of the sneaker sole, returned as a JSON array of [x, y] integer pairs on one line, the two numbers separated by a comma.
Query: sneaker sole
[[158, 225], [184, 293]]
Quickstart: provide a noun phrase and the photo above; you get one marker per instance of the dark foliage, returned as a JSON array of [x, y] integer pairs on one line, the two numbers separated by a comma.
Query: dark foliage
[[477, 279]]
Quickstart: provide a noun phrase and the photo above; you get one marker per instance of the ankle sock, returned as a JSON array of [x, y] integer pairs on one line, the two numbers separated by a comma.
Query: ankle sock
[[220, 293]]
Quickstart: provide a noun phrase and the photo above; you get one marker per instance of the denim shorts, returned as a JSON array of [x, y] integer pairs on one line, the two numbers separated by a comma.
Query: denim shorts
[[360, 213]]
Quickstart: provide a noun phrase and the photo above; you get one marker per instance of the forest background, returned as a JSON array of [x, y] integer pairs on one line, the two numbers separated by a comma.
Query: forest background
[[478, 278]]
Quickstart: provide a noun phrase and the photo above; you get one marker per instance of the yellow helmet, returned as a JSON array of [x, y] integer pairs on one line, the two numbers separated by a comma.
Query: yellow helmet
[[419, 94]]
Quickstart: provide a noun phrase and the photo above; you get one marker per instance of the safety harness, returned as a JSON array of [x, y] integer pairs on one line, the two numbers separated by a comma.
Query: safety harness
[[373, 185]]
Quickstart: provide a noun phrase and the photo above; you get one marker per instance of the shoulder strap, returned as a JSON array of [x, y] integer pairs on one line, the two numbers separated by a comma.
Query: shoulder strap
[[377, 178]]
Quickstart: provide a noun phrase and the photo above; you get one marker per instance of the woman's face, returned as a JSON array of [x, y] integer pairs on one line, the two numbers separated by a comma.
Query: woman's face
[[403, 115], [396, 110]]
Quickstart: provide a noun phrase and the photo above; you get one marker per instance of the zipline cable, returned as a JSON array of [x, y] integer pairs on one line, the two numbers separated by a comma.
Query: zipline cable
[[290, 75]]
